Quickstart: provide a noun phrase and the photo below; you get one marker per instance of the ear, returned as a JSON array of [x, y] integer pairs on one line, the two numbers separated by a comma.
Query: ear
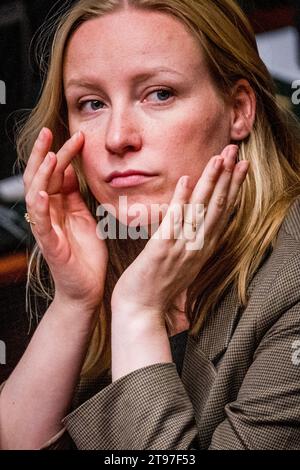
[[243, 110]]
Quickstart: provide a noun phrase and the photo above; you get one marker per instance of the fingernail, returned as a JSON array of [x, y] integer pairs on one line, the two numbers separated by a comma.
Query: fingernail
[[233, 150], [231, 158], [76, 136]]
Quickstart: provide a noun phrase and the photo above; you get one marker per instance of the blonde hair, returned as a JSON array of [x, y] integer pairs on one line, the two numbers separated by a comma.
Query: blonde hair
[[272, 148]]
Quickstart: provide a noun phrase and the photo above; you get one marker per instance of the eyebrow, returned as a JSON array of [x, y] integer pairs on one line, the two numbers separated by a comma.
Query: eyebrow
[[86, 82]]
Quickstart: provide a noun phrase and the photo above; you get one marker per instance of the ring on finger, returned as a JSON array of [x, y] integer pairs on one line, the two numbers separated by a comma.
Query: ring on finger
[[29, 219], [198, 219], [193, 223]]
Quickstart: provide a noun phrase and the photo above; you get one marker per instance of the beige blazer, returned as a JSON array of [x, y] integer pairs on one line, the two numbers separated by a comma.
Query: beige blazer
[[240, 383]]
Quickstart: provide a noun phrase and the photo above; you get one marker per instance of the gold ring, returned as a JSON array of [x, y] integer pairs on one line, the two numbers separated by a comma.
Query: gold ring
[[28, 219], [193, 224]]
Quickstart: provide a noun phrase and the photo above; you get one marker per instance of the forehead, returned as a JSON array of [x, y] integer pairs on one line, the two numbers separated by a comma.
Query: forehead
[[124, 40]]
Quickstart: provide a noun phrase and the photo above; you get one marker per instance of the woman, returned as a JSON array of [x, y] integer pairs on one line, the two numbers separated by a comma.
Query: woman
[[170, 89]]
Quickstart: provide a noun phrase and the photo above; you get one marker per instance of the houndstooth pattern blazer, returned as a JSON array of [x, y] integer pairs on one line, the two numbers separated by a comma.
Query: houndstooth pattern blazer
[[240, 382]]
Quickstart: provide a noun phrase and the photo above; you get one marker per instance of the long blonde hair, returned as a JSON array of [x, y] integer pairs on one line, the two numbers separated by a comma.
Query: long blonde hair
[[273, 149]]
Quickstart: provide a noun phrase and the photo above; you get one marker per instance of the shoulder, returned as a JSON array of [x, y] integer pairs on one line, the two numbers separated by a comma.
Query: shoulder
[[276, 287], [291, 224], [280, 272]]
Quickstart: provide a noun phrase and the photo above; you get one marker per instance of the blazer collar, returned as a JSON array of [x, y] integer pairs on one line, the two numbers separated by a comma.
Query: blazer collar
[[291, 224], [217, 330]]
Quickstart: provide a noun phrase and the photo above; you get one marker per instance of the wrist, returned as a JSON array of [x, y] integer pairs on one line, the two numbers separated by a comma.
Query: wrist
[[137, 341], [137, 317], [81, 311], [136, 322]]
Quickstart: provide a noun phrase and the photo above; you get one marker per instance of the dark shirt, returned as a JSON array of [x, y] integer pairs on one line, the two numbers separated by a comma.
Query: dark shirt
[[178, 344]]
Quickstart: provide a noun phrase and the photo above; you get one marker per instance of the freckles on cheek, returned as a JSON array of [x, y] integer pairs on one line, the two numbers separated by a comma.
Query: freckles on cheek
[[86, 160], [91, 150], [89, 159], [186, 137], [92, 131], [173, 139], [194, 142], [204, 135]]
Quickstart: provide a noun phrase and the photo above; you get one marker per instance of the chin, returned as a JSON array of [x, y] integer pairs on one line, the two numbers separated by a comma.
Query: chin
[[138, 219], [131, 215]]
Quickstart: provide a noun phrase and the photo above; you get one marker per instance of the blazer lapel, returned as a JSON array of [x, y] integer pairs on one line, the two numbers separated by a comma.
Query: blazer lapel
[[218, 328], [204, 351]]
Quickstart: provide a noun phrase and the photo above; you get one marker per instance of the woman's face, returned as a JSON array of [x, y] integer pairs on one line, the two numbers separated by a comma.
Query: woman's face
[[137, 86]]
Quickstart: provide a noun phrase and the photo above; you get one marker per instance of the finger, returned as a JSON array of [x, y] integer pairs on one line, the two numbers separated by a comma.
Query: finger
[[217, 174], [40, 149], [43, 229], [218, 222], [69, 150], [195, 209], [218, 202], [171, 226], [206, 184], [65, 155], [40, 181], [238, 178]]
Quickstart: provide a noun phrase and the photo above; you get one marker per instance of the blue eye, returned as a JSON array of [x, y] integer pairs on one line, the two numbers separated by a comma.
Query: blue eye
[[162, 95], [95, 105]]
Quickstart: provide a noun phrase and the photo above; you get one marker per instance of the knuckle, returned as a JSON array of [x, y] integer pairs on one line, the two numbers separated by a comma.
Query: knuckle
[[205, 204], [212, 176], [228, 170], [175, 215], [177, 219], [220, 202], [159, 255], [178, 252], [211, 179]]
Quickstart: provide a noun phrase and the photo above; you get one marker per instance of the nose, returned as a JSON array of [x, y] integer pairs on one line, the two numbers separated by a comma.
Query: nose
[[123, 132]]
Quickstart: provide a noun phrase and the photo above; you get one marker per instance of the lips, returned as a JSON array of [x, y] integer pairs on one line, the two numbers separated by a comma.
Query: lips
[[118, 174]]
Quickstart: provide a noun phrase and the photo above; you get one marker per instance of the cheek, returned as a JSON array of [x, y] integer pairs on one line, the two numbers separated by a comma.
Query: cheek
[[185, 144], [90, 158], [197, 136], [91, 154], [91, 149]]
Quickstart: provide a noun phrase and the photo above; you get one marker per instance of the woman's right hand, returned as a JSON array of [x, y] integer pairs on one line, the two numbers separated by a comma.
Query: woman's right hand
[[64, 227]]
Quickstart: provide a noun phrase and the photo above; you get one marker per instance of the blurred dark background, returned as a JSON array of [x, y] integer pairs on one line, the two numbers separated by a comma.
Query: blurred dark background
[[19, 22]]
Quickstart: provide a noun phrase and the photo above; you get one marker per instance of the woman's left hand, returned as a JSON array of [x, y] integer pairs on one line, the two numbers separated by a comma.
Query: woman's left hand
[[175, 254]]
